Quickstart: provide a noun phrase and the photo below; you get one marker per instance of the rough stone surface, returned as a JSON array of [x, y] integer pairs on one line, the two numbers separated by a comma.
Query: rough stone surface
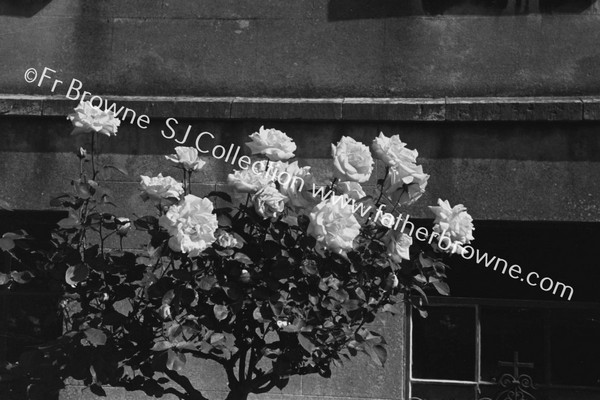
[[394, 109], [520, 171], [21, 105], [591, 109], [50, 42], [131, 108], [288, 109], [79, 393], [515, 109], [382, 383], [217, 57], [307, 48]]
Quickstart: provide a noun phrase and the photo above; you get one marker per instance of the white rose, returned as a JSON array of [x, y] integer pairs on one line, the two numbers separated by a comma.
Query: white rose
[[298, 188], [227, 240], [187, 157], [268, 202], [387, 220], [391, 150], [453, 222], [248, 181], [282, 323], [191, 224], [405, 184], [160, 187], [274, 144], [398, 244], [123, 225], [353, 189], [334, 225], [164, 311], [88, 118], [352, 160], [276, 170]]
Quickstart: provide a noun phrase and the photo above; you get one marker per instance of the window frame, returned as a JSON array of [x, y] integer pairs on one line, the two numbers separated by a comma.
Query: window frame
[[476, 304]]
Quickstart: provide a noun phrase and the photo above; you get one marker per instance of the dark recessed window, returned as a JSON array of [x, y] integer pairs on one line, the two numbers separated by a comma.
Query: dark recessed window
[[494, 325]]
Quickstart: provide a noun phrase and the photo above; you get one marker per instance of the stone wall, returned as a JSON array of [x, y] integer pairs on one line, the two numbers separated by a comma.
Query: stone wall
[[506, 159], [306, 48]]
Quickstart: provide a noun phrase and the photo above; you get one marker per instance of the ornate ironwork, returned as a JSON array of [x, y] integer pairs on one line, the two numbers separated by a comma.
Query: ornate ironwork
[[516, 386]]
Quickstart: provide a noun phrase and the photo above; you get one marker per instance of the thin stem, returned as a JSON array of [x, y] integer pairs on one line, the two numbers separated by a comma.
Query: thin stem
[[404, 190], [395, 206], [242, 365], [171, 263], [387, 170], [93, 153], [101, 238], [251, 363]]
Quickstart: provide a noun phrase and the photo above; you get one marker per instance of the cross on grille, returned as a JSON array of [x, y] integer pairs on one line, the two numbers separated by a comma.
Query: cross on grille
[[515, 364]]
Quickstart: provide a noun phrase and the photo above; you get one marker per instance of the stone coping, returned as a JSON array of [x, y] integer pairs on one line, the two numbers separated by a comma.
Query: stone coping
[[333, 109]]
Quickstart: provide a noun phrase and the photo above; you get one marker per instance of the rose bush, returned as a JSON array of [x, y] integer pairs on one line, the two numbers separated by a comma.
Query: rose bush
[[283, 284]]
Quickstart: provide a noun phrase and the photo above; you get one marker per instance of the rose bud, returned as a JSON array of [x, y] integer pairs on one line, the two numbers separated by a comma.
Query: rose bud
[[282, 323], [392, 281], [81, 153], [123, 226], [245, 276]]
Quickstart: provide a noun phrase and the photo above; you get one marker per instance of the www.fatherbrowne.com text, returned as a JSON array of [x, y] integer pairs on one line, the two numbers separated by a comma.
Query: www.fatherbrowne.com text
[[467, 252]]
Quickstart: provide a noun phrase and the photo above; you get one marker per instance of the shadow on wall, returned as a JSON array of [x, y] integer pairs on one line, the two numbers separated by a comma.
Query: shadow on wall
[[364, 9], [22, 8]]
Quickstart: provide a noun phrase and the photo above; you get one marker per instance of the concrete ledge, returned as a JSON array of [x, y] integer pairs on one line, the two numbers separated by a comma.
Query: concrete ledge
[[286, 108], [20, 105], [334, 109], [591, 108], [515, 109], [394, 109]]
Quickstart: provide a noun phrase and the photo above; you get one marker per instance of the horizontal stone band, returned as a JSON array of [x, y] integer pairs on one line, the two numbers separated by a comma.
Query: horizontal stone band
[[333, 109]]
